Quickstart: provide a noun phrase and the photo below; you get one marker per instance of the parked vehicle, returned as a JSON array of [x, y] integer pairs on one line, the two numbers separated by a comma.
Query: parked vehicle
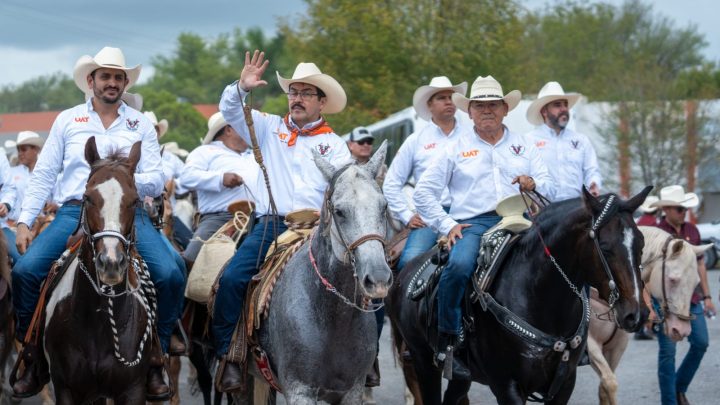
[[710, 233]]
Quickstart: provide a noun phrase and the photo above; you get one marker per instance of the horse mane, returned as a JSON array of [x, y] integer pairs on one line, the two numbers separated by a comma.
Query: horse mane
[[115, 159]]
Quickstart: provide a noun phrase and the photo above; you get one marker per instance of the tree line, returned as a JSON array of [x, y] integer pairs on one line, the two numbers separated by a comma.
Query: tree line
[[382, 51]]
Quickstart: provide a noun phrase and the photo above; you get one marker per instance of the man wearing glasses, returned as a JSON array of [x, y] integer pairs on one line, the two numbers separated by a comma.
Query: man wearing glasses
[[674, 203], [287, 144]]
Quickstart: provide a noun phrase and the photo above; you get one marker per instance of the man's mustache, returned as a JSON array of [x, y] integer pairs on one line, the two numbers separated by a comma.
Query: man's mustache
[[297, 105]]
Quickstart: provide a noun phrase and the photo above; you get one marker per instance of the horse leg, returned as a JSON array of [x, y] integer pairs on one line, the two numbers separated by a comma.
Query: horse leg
[[354, 396], [299, 394], [63, 395], [412, 390], [456, 392], [203, 376], [507, 393], [608, 382], [563, 395], [133, 396], [613, 354], [429, 379], [45, 396], [174, 374]]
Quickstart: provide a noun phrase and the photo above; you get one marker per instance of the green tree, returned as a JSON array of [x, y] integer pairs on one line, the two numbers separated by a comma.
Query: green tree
[[44, 93], [187, 126]]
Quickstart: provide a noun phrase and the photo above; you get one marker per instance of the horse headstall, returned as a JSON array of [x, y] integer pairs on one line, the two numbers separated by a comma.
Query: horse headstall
[[127, 240]]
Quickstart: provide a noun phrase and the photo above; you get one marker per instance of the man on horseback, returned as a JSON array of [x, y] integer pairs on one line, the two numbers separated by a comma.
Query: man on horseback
[[287, 144], [116, 127], [569, 156], [478, 169], [221, 172], [433, 103]]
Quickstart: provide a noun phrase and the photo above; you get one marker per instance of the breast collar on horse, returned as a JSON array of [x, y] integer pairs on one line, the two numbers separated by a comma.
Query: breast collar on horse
[[367, 305], [665, 308], [535, 336]]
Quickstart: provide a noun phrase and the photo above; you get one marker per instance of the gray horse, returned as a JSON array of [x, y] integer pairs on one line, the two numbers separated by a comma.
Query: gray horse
[[320, 334]]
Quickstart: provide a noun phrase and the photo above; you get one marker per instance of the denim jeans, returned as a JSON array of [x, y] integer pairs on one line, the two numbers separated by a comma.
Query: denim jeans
[[32, 268], [461, 264], [672, 381], [418, 242], [234, 281], [12, 249]]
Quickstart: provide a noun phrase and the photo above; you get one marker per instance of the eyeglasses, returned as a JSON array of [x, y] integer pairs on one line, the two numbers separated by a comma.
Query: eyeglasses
[[680, 210], [305, 95], [366, 141], [491, 105]]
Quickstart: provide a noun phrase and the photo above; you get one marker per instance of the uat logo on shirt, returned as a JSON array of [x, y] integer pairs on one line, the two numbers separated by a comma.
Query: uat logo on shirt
[[283, 137], [469, 153], [323, 148], [430, 146], [540, 144], [517, 150], [82, 119], [132, 125]]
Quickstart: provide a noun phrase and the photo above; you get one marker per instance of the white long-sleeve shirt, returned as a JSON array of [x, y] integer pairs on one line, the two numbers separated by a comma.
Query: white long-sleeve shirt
[[172, 166], [478, 175], [19, 176], [414, 157], [570, 158], [8, 188], [64, 150], [295, 181], [204, 171]]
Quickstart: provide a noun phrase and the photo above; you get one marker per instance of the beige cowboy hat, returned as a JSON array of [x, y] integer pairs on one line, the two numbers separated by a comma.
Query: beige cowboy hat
[[175, 149], [107, 58], [645, 208], [215, 123], [550, 92], [487, 89], [163, 124], [511, 209], [29, 138], [310, 74], [675, 196], [437, 84]]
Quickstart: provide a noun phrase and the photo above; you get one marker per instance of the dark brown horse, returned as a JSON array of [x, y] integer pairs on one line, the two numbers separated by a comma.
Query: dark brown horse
[[528, 343], [99, 317]]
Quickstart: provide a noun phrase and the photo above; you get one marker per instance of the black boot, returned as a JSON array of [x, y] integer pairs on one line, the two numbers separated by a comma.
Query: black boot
[[447, 350], [35, 373]]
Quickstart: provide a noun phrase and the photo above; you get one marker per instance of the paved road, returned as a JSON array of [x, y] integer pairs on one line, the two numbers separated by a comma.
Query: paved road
[[636, 374]]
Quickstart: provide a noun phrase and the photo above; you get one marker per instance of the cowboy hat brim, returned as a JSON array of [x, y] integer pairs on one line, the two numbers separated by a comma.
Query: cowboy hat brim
[[164, 125], [691, 200], [334, 93], [213, 130], [423, 94], [86, 65], [533, 112], [512, 99]]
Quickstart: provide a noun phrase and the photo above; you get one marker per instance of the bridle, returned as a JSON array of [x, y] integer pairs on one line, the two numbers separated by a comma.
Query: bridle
[[596, 224], [664, 306], [127, 240], [367, 305]]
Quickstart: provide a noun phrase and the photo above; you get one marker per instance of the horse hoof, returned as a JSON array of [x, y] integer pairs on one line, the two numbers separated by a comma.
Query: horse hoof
[[367, 397]]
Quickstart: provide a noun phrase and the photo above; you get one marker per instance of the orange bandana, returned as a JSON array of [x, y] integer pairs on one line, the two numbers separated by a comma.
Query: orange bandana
[[321, 128]]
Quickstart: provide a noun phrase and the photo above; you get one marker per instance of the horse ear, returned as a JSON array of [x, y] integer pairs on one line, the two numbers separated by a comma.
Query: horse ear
[[636, 201], [591, 203], [91, 152], [377, 159], [677, 247], [327, 169], [134, 156], [700, 248]]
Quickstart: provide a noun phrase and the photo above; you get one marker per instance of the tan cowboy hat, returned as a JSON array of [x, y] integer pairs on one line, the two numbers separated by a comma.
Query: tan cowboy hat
[[107, 58], [550, 92], [215, 123], [437, 84], [675, 196], [487, 89], [310, 74], [163, 124], [175, 149], [645, 208], [511, 209], [29, 138]]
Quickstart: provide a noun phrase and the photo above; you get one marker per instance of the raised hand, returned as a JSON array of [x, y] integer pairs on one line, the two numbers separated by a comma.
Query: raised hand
[[251, 75]]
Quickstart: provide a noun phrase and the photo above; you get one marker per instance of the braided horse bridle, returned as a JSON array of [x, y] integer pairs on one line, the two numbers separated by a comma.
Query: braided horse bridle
[[329, 218]]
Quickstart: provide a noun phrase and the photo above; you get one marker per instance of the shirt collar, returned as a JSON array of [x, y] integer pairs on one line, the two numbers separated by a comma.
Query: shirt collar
[[551, 132], [308, 125], [501, 140], [440, 131]]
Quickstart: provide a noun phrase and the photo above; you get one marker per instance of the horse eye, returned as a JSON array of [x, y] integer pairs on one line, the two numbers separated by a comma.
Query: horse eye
[[339, 213]]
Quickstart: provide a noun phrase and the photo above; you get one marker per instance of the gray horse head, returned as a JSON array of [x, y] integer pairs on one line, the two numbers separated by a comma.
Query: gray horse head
[[357, 218]]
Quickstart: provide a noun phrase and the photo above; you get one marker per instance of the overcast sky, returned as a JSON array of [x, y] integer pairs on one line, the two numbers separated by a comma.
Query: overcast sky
[[39, 37]]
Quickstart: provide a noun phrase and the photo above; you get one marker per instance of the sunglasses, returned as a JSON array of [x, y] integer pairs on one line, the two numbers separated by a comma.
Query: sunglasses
[[680, 210], [367, 141]]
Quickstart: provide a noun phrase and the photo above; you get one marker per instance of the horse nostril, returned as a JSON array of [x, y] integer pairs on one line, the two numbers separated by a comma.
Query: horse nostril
[[368, 283]]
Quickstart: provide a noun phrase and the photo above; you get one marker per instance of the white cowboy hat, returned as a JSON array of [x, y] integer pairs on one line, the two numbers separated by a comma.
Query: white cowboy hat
[[310, 74], [215, 123], [133, 100], [108, 57], [550, 92], [29, 138], [9, 144], [675, 196], [163, 124], [423, 94], [486, 89], [175, 149], [511, 209], [645, 208]]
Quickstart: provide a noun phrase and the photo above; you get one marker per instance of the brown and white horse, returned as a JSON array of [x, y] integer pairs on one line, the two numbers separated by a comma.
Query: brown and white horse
[[670, 274]]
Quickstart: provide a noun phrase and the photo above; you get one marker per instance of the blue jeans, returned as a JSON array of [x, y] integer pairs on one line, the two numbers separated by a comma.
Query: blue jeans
[[234, 281], [12, 249], [34, 265], [461, 264], [672, 381], [418, 242]]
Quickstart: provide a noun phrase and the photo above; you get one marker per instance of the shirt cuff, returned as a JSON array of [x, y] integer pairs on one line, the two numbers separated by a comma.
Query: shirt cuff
[[446, 225], [406, 216]]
